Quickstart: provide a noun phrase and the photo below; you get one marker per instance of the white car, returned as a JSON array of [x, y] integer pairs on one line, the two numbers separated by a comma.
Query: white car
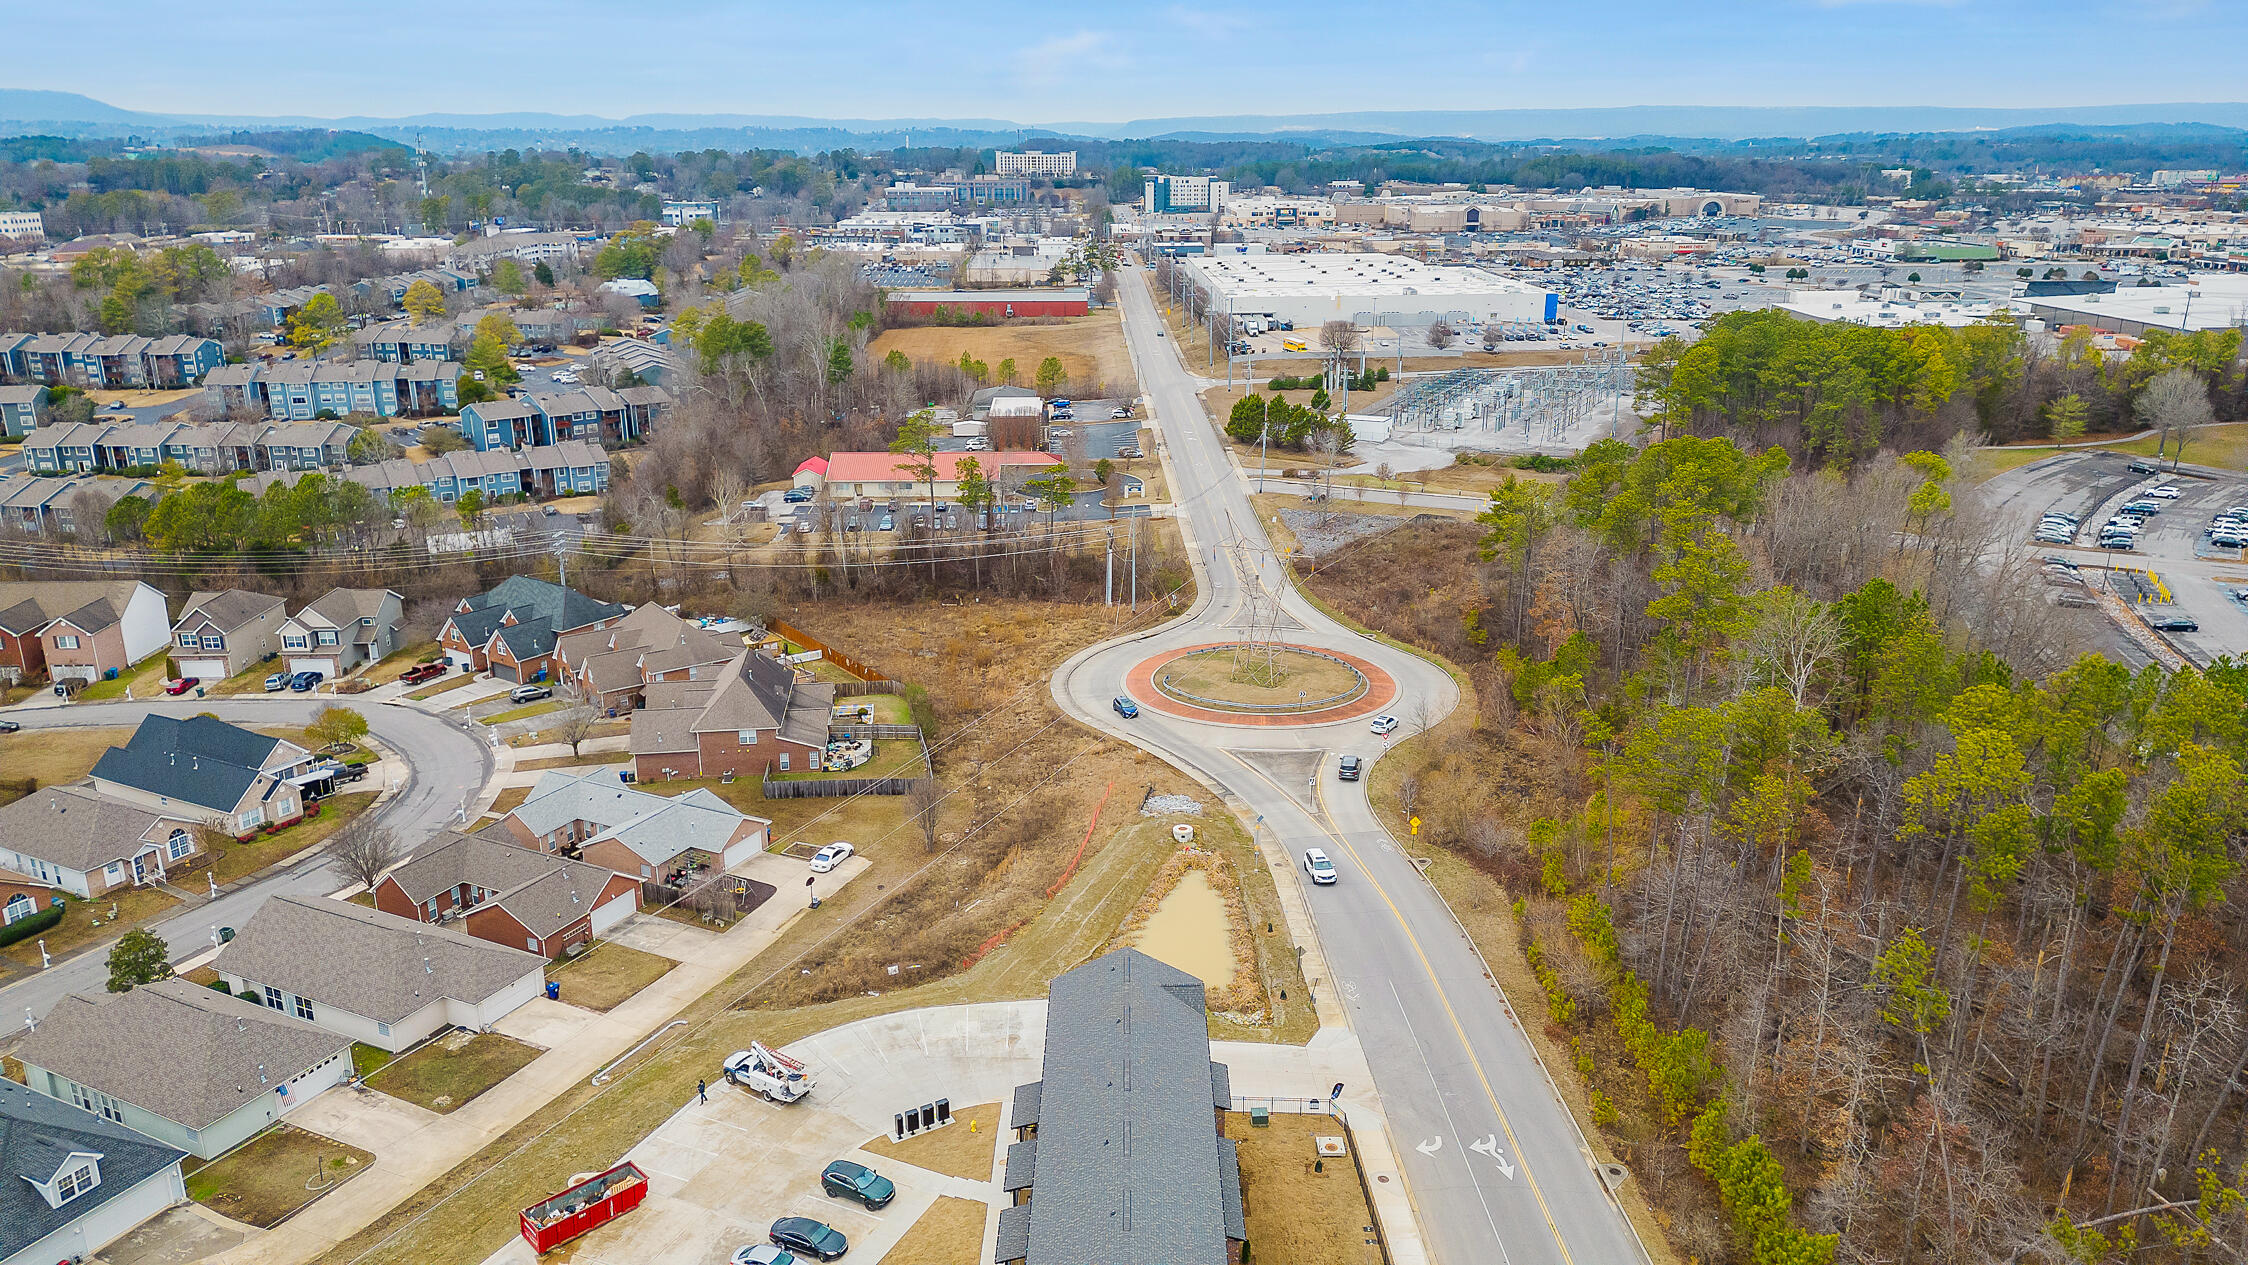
[[1385, 724], [832, 855], [2167, 492], [761, 1254], [1317, 865]]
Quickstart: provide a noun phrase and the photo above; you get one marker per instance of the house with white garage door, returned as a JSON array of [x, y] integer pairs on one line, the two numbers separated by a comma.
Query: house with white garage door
[[220, 634], [341, 629], [187, 1065], [72, 1183], [375, 977], [499, 891]]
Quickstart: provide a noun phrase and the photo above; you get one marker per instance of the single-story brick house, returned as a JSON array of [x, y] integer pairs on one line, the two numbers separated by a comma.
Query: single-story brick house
[[611, 665], [606, 823], [510, 630], [500, 891]]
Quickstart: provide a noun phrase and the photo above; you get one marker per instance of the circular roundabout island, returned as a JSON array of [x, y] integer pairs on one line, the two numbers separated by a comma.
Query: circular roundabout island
[[1261, 684]]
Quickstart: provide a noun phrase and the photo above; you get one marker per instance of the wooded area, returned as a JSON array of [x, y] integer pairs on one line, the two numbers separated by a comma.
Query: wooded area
[[1885, 921]]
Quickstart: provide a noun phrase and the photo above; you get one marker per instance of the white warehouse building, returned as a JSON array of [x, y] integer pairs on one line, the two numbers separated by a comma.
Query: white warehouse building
[[1366, 288]]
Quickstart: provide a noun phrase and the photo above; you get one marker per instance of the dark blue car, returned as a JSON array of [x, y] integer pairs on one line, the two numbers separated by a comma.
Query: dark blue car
[[812, 1238], [845, 1180], [1125, 707]]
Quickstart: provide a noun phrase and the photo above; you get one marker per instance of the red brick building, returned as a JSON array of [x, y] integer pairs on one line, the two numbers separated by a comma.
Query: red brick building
[[516, 896], [755, 716]]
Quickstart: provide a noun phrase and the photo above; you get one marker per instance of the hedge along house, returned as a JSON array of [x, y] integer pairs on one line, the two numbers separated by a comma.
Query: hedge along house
[[87, 844], [372, 976], [597, 819], [209, 770], [497, 890], [192, 1067], [80, 1182]]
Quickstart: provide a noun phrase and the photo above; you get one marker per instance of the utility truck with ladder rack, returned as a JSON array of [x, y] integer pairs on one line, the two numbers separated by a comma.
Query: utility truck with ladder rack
[[768, 1073]]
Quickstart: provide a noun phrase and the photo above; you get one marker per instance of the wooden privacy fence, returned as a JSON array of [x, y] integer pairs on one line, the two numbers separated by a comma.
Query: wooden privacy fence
[[848, 663], [835, 787], [852, 689]]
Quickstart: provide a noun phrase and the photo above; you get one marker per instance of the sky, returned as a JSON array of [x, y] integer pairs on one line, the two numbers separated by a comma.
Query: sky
[[1033, 62]]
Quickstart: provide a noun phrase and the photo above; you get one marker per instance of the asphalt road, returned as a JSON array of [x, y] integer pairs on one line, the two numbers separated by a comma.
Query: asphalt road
[[447, 767], [1495, 1166]]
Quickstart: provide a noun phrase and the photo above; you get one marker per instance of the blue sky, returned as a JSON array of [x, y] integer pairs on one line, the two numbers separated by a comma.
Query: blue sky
[[1058, 62]]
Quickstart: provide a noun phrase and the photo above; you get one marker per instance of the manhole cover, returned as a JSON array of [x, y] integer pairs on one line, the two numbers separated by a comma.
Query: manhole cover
[[1383, 1178], [1615, 1174]]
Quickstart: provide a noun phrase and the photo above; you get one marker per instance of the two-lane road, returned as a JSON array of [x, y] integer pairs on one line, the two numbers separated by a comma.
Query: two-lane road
[[1495, 1166], [446, 767]]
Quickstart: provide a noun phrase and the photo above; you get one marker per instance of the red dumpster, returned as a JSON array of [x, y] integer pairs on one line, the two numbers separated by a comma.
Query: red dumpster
[[595, 1201]]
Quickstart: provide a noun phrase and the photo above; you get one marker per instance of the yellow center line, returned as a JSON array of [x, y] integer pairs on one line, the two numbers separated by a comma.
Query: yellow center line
[[1521, 1158]]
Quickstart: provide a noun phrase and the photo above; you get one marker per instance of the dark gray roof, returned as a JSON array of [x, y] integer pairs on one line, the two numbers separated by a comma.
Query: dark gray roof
[[542, 612], [185, 1052], [1013, 1243], [1229, 1186], [1022, 1164], [1026, 1105], [1128, 1166], [37, 1134], [1221, 1086], [186, 778]]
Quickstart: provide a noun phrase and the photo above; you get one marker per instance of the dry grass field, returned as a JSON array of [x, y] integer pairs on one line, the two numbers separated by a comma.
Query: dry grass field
[[1091, 348]]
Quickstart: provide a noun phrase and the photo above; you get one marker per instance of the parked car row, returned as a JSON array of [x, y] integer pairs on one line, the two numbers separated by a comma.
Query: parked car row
[[2229, 529], [297, 681], [791, 1239]]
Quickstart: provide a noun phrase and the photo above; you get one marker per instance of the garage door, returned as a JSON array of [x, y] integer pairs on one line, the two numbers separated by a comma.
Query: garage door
[[206, 669], [327, 666], [505, 672], [614, 911]]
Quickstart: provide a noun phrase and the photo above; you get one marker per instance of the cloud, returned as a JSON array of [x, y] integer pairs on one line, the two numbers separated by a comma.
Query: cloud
[[1066, 58], [1207, 22]]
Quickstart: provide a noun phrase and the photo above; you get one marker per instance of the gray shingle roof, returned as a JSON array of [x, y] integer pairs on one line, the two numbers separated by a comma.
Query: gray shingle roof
[[229, 609], [77, 829], [1128, 1166], [1026, 1105], [185, 1052], [542, 611], [542, 891], [1013, 1243], [37, 1134], [1022, 1165], [367, 962], [92, 604], [657, 827]]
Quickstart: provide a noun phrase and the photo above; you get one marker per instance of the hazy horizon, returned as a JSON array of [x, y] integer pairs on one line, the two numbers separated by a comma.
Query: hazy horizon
[[1036, 65]]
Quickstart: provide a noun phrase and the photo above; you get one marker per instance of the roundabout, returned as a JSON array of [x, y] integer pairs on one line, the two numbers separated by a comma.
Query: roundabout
[[1260, 684]]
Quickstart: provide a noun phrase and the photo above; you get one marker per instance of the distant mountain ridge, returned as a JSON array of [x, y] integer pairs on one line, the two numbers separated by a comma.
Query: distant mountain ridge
[[27, 111]]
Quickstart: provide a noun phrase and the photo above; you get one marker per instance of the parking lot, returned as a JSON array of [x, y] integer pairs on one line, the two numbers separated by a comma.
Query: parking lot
[[2172, 571]]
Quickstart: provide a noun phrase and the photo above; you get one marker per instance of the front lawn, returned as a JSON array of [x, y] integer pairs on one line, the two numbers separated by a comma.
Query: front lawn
[[367, 1059], [445, 1074], [607, 975], [52, 757], [133, 906], [267, 1179], [949, 1233], [240, 860], [449, 683], [394, 665], [142, 679], [523, 713], [952, 1150]]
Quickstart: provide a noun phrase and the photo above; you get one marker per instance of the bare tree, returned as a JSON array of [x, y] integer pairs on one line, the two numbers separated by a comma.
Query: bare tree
[[1440, 335], [364, 850], [1338, 338], [2174, 404], [922, 803], [575, 724]]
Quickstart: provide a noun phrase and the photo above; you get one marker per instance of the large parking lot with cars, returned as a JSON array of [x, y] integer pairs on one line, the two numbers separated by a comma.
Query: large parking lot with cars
[[2177, 572]]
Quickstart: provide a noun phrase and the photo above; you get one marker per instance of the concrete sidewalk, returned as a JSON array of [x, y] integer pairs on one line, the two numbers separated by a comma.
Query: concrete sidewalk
[[409, 1158]]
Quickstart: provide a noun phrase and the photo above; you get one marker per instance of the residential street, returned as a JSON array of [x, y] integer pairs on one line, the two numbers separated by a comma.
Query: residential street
[[446, 767]]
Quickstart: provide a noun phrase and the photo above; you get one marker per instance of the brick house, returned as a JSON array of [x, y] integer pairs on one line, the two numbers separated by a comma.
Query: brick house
[[597, 819], [499, 891], [752, 717], [510, 630], [84, 629], [611, 665]]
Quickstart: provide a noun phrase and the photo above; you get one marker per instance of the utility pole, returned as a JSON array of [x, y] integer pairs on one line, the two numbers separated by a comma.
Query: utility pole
[[1135, 525], [1108, 581]]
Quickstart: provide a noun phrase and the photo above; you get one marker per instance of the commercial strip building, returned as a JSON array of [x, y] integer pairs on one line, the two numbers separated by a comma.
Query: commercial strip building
[[1891, 308], [995, 305], [2208, 301], [1364, 288], [1121, 1152]]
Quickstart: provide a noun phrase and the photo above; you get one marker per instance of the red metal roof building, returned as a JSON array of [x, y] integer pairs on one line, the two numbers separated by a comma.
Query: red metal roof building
[[886, 473]]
